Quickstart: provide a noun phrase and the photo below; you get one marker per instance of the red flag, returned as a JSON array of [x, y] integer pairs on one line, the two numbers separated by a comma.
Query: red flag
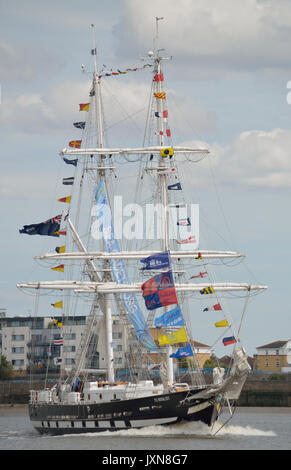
[[159, 77]]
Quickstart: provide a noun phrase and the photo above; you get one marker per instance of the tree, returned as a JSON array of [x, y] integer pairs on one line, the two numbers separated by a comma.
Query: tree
[[6, 369], [210, 364]]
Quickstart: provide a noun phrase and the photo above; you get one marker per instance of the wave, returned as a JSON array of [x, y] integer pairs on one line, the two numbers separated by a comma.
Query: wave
[[191, 429]]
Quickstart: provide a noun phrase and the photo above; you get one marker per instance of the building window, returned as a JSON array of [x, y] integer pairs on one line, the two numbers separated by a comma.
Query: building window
[[18, 362], [277, 363], [277, 352], [70, 336], [69, 348], [117, 335], [17, 337], [19, 350], [267, 363]]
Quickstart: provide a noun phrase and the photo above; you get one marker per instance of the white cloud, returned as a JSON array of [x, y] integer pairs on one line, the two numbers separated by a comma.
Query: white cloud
[[253, 158], [125, 104], [226, 33]]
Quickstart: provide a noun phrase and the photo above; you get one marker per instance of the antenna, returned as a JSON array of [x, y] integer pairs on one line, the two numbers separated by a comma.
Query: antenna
[[158, 18], [94, 50]]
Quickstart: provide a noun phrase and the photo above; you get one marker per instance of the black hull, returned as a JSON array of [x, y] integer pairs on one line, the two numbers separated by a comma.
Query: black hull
[[59, 419]]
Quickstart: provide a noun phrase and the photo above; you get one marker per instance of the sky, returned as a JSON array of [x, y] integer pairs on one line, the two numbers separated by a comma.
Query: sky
[[228, 82]]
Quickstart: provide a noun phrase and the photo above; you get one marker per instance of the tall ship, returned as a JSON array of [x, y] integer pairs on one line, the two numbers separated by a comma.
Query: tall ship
[[156, 282]]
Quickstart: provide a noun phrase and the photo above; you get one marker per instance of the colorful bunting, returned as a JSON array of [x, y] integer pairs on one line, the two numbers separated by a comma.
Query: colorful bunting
[[58, 342], [214, 307], [75, 144], [169, 152], [229, 340], [199, 275], [161, 95], [158, 77], [80, 125], [199, 256], [176, 186], [60, 249], [60, 268], [61, 232], [68, 181], [119, 72], [58, 304], [207, 290], [221, 323], [163, 114], [65, 199], [184, 221], [84, 106], [190, 239]]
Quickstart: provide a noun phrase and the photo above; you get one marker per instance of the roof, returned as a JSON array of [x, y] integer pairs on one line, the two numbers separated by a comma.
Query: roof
[[274, 345], [199, 345]]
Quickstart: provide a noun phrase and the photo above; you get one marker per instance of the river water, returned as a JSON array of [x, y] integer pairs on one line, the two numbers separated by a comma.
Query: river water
[[249, 429]]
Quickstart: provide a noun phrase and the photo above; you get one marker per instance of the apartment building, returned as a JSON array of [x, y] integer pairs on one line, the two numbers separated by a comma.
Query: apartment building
[[45, 344], [273, 357]]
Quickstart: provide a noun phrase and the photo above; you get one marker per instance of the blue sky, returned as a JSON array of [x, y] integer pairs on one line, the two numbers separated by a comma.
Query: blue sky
[[227, 87]]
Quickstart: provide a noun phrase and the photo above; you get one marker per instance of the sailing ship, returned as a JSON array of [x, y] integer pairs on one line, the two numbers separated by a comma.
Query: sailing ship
[[154, 306]]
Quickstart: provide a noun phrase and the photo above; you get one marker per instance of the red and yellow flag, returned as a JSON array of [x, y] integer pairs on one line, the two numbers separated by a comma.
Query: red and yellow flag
[[65, 199], [60, 267], [75, 144], [161, 95], [84, 106]]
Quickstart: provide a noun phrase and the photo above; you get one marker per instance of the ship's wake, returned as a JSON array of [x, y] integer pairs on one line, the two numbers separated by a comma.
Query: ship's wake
[[190, 429]]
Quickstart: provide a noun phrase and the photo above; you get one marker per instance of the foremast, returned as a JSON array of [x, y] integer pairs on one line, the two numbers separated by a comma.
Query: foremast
[[102, 175]]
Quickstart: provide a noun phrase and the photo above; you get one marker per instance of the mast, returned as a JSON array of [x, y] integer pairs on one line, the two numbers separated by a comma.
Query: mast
[[102, 175], [162, 172]]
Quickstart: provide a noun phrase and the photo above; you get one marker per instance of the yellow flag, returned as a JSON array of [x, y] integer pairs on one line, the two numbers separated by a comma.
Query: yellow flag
[[221, 323], [179, 336], [167, 152], [59, 324], [58, 304]]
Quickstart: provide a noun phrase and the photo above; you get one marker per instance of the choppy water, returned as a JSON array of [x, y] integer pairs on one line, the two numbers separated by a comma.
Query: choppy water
[[249, 429]]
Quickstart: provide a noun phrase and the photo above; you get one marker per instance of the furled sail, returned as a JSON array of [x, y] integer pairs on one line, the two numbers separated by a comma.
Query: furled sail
[[119, 269]]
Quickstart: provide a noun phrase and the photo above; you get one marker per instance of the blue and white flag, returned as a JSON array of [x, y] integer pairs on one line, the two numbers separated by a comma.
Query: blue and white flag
[[176, 186], [158, 261], [70, 162], [68, 181], [183, 352], [172, 318], [184, 222]]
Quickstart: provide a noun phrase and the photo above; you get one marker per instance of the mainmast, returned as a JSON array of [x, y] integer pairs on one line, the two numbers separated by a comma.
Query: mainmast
[[102, 175], [160, 96]]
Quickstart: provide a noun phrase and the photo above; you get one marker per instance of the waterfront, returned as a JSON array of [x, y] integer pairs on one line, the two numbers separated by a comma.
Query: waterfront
[[250, 429]]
